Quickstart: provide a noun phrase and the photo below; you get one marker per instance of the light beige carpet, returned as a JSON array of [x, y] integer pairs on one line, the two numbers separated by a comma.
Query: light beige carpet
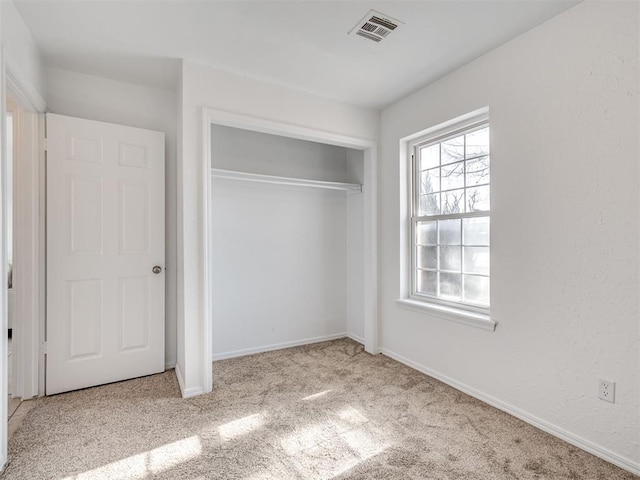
[[324, 411]]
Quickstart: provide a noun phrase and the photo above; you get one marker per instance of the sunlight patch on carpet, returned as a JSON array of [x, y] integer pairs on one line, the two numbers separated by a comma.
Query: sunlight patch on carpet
[[325, 450], [352, 415], [317, 395], [142, 465], [363, 444], [242, 426], [306, 439]]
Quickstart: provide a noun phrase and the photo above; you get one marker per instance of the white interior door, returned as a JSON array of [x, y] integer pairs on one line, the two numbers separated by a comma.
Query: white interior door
[[105, 253]]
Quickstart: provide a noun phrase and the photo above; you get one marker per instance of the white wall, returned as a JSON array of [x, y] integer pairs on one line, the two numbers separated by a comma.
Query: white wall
[[96, 98], [279, 256], [22, 57], [279, 252], [355, 248], [262, 153], [205, 87], [563, 102]]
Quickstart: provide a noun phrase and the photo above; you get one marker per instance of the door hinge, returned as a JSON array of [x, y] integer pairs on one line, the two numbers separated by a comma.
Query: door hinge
[[45, 144], [43, 348]]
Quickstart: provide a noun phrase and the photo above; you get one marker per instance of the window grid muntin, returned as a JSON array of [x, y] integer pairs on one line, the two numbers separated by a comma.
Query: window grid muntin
[[415, 191], [417, 168], [461, 271]]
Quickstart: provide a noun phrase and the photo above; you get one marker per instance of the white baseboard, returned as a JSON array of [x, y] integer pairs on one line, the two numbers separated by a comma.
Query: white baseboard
[[588, 446], [192, 392], [169, 366], [189, 392], [276, 346], [180, 381], [356, 338]]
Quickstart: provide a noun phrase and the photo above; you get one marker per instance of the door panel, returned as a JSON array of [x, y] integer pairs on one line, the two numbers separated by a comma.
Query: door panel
[[133, 319], [105, 233], [85, 215], [134, 218], [85, 318]]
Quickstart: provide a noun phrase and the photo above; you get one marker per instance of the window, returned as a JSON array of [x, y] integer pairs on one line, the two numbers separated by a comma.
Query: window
[[450, 218]]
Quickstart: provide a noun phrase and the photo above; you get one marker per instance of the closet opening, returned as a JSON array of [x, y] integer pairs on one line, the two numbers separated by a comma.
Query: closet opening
[[290, 231]]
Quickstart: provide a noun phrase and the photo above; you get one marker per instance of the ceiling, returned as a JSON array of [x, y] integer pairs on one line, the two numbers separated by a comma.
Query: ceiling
[[299, 44]]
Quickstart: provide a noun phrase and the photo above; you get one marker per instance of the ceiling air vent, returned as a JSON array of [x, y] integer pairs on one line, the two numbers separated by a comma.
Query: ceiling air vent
[[375, 26]]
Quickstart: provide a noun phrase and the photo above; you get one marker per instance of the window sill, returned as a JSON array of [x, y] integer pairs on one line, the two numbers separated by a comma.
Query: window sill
[[464, 317]]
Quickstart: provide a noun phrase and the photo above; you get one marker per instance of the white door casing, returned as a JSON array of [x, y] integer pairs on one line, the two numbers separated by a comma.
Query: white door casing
[[105, 235]]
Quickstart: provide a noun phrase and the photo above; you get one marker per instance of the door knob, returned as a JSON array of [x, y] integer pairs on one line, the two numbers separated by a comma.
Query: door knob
[[157, 269]]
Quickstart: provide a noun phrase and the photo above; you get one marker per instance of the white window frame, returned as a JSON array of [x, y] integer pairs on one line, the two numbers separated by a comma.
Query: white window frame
[[458, 311]]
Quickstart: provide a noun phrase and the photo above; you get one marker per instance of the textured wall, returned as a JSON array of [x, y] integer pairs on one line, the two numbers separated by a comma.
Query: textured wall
[[563, 102]]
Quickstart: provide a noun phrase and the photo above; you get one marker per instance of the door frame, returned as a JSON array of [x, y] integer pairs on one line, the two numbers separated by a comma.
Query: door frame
[[28, 243], [29, 209], [12, 81], [211, 117]]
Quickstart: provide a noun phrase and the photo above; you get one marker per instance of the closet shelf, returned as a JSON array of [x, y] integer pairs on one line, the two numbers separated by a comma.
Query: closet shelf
[[297, 182]]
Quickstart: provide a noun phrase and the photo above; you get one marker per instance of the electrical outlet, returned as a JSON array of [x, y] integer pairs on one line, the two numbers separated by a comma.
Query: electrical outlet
[[607, 390]]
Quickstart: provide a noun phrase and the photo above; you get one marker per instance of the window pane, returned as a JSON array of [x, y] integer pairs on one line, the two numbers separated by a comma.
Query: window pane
[[476, 231], [452, 150], [478, 172], [430, 156], [450, 254], [450, 232], [427, 257], [429, 204], [452, 176], [476, 260], [478, 143], [450, 258], [427, 233], [450, 286], [453, 201], [426, 282], [478, 199], [430, 181], [476, 289]]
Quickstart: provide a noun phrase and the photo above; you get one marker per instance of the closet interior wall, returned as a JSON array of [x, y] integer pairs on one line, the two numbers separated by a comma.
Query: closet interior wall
[[287, 260]]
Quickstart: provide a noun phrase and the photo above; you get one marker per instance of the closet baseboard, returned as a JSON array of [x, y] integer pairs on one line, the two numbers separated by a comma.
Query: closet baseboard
[[277, 346]]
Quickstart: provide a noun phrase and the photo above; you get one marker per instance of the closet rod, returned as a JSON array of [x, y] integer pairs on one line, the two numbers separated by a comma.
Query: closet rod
[[297, 182]]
